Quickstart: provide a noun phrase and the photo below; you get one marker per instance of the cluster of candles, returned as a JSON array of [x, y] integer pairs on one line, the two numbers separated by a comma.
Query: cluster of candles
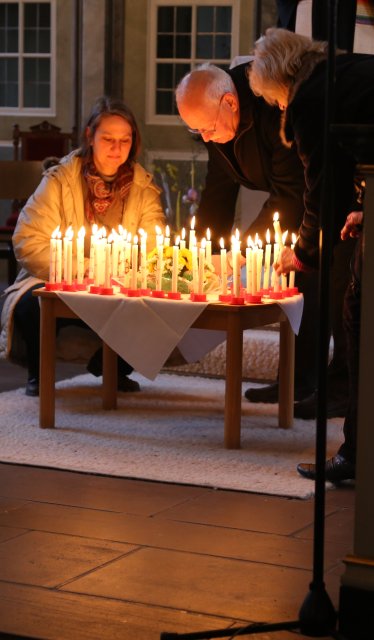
[[121, 257]]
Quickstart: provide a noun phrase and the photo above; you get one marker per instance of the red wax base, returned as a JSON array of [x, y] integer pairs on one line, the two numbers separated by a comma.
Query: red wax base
[[94, 288], [106, 291], [145, 292], [263, 292], [225, 297], [198, 297], [158, 293], [254, 299], [275, 295], [236, 300], [124, 290], [133, 293], [293, 291], [68, 287], [80, 286], [89, 280], [53, 286], [174, 295]]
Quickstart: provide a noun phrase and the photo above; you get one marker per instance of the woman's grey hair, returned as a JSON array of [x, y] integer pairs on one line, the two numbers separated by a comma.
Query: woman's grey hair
[[280, 56], [206, 81]]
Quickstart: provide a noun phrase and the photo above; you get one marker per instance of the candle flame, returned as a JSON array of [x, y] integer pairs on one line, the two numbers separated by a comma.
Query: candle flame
[[95, 229], [237, 235], [260, 244], [81, 232], [177, 241], [120, 230], [294, 238], [158, 230], [268, 236], [141, 232], [276, 217], [56, 232], [167, 231], [221, 243], [203, 243], [208, 234], [135, 240], [69, 233], [183, 233], [284, 237], [250, 242], [110, 238], [193, 223]]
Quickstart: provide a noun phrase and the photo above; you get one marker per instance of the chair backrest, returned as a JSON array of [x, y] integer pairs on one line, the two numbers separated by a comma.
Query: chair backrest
[[19, 179], [42, 140]]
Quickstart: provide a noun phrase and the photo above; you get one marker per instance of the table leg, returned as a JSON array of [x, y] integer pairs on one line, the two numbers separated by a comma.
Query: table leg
[[233, 391], [286, 374], [109, 378], [47, 364]]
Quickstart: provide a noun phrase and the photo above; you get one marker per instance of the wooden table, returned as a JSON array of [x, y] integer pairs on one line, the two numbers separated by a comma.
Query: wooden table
[[224, 317]]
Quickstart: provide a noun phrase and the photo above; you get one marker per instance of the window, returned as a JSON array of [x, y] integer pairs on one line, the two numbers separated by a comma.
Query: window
[[182, 36], [27, 48]]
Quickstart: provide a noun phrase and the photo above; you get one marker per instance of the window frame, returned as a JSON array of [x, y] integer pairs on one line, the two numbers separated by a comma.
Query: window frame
[[34, 111], [151, 116]]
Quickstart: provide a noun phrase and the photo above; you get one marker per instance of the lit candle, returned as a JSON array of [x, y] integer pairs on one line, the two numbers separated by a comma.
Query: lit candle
[[192, 237], [101, 263], [174, 273], [223, 267], [167, 236], [235, 251], [68, 256], [127, 260], [108, 261], [284, 277], [254, 270], [53, 255], [91, 269], [182, 244], [208, 247], [80, 255], [292, 273], [143, 258], [195, 274], [58, 257], [116, 243], [248, 264], [277, 228], [266, 280], [134, 264], [160, 262], [260, 253], [274, 277], [201, 266]]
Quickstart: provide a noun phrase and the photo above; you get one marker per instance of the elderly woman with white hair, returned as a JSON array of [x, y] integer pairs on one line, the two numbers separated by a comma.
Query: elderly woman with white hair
[[289, 70]]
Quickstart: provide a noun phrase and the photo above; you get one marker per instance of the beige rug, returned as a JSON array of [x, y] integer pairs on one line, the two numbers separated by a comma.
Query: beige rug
[[172, 432]]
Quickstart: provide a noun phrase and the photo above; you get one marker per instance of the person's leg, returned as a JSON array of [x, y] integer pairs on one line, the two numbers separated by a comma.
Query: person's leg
[[95, 366], [27, 323], [345, 22]]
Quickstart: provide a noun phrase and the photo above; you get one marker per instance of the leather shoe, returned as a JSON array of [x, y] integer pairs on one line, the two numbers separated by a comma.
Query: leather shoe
[[307, 409], [270, 393], [32, 387], [337, 469], [127, 384]]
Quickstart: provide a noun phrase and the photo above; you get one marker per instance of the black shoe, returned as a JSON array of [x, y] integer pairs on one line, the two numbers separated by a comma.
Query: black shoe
[[307, 408], [32, 387], [270, 393], [337, 469], [127, 384]]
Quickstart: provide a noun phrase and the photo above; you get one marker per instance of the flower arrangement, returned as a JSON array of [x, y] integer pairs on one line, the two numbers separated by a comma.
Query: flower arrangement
[[211, 280]]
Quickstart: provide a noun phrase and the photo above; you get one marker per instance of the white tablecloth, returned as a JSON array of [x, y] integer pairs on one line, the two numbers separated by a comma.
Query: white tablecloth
[[144, 331]]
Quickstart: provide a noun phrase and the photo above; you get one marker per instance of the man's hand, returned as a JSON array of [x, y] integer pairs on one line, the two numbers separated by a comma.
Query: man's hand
[[353, 225], [284, 263]]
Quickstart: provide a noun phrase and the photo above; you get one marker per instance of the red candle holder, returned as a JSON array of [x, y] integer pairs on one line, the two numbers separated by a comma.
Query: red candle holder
[[294, 291], [94, 288], [174, 295], [145, 292], [106, 291], [238, 300], [275, 295], [225, 297], [158, 293], [80, 286], [198, 297], [133, 293], [68, 287], [124, 290], [53, 286], [253, 298]]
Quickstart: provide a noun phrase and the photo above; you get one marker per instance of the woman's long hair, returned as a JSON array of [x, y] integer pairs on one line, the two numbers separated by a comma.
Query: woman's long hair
[[103, 108]]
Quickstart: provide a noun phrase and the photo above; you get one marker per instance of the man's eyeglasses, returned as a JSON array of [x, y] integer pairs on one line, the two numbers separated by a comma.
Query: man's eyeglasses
[[207, 132]]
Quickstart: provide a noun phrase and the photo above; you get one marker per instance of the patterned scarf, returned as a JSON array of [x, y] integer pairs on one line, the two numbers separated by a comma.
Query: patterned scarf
[[101, 193]]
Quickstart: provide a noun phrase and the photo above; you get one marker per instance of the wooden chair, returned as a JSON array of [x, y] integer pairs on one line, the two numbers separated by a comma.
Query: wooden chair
[[42, 140], [18, 180]]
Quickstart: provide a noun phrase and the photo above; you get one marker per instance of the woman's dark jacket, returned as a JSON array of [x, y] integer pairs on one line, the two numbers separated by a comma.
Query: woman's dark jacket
[[256, 159], [304, 123]]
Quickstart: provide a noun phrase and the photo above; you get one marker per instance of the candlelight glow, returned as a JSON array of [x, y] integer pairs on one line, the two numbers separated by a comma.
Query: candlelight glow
[[276, 217], [193, 223], [221, 243], [208, 234], [268, 236]]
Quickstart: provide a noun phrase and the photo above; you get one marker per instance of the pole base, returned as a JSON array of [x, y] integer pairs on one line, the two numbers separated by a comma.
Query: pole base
[[317, 615]]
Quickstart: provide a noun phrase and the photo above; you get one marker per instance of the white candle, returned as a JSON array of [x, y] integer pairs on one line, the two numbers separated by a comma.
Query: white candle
[[91, 269], [274, 277], [266, 280], [108, 262], [260, 254], [160, 262], [116, 240], [143, 258], [167, 236], [52, 255], [58, 257], [292, 273], [68, 256], [80, 255], [277, 228], [283, 276], [235, 251], [174, 274], [248, 264], [208, 247], [254, 270], [195, 274], [201, 266], [127, 260], [182, 244], [223, 268], [134, 264], [192, 237]]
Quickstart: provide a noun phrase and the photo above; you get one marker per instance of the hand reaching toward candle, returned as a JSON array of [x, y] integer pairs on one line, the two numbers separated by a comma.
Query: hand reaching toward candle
[[353, 225], [285, 262]]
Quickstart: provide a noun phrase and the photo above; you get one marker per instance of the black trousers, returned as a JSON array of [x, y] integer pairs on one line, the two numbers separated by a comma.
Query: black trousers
[[27, 322]]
